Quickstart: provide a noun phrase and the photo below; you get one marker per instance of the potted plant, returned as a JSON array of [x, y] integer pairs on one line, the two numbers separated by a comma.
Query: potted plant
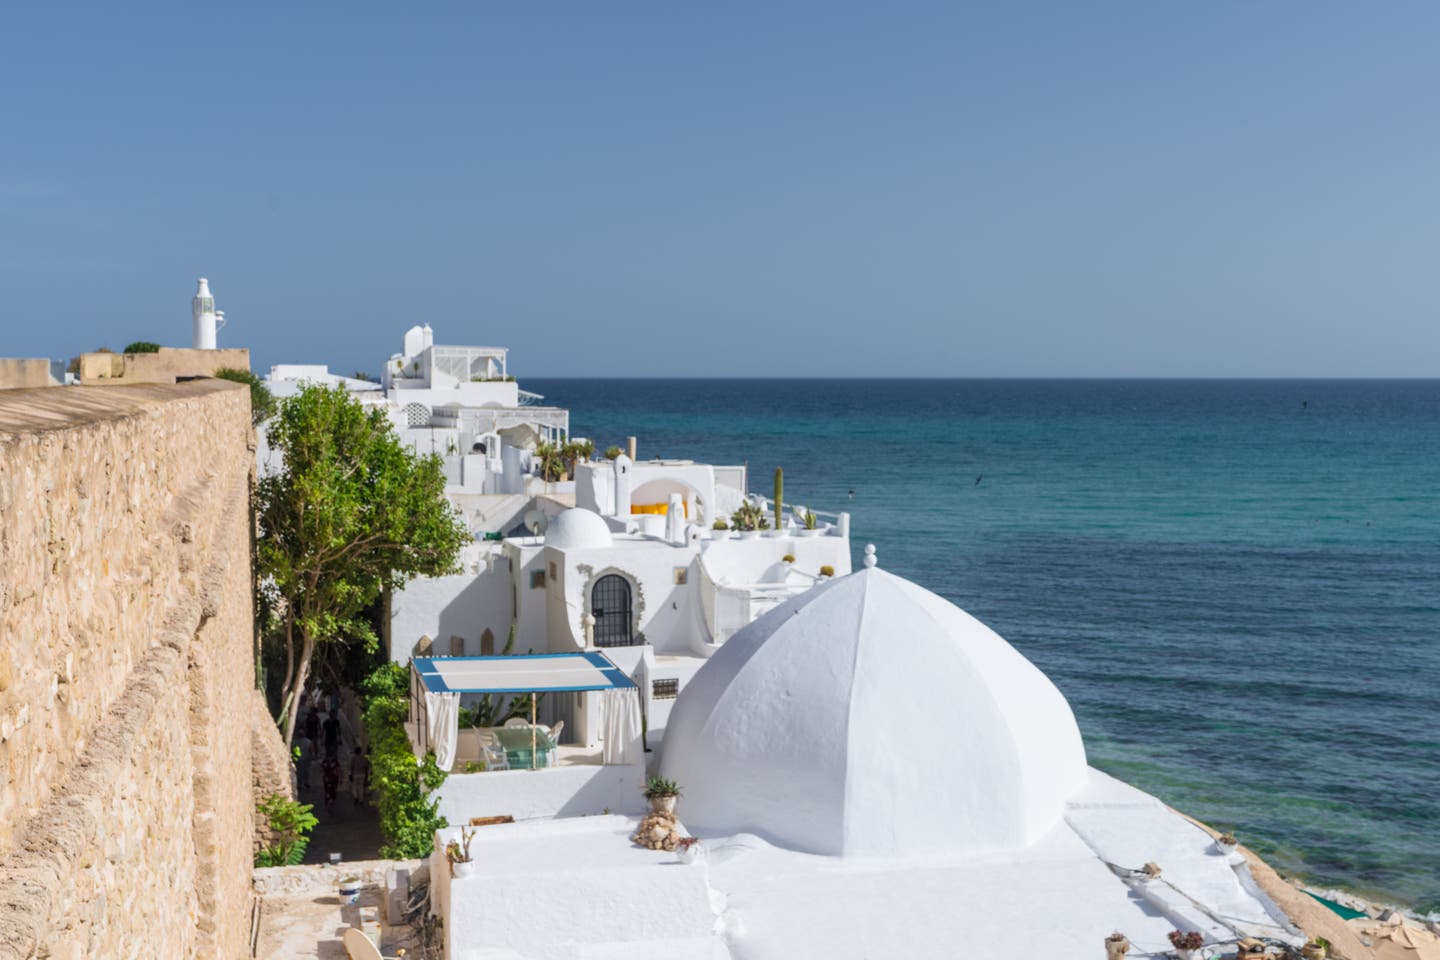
[[458, 853], [1226, 843], [689, 850], [662, 794], [720, 530], [1316, 948], [613, 453], [788, 559], [749, 520], [1187, 943], [1116, 946], [1151, 871], [810, 524]]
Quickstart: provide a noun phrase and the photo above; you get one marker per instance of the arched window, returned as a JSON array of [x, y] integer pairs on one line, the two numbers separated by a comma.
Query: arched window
[[610, 602]]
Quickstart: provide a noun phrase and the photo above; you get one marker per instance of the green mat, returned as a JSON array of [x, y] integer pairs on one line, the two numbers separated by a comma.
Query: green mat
[[1339, 909]]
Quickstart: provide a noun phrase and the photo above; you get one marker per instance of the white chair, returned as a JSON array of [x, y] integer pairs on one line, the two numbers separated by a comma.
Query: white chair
[[555, 732], [492, 752], [359, 947], [517, 722]]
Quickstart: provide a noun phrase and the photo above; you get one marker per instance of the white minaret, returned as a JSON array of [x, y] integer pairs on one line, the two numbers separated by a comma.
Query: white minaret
[[202, 312]]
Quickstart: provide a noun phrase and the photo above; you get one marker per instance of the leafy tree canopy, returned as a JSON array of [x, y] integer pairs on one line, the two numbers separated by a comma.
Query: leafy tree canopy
[[142, 346], [352, 513]]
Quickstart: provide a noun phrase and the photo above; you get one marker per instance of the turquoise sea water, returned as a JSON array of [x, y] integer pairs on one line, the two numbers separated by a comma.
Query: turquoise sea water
[[1235, 583]]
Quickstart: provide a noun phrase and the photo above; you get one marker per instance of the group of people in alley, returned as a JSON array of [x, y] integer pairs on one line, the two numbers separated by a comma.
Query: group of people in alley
[[325, 741]]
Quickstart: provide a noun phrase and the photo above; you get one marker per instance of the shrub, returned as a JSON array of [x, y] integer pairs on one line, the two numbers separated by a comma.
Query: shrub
[[262, 402], [403, 782], [612, 453], [289, 822], [142, 346], [827, 571]]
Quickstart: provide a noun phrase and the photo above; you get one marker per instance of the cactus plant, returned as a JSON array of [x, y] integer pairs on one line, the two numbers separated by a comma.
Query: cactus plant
[[779, 497]]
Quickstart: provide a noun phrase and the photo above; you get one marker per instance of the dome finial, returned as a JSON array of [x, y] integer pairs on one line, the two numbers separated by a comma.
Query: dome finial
[[869, 555]]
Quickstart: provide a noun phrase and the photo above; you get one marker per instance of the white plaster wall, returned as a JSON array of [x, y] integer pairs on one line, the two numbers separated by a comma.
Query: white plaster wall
[[463, 605], [668, 614], [532, 615], [735, 561], [560, 889], [492, 394], [658, 718], [567, 791]]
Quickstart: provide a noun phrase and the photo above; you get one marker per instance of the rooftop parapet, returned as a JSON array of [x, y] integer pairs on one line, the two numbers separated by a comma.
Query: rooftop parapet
[[167, 365]]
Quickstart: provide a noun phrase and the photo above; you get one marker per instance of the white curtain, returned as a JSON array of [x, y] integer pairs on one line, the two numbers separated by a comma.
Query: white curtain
[[442, 719], [622, 727]]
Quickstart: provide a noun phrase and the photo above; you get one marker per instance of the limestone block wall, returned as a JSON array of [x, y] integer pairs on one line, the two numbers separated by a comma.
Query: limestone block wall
[[163, 366], [25, 372], [126, 671]]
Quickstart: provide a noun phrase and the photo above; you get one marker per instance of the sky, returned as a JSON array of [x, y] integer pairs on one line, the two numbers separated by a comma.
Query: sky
[[742, 189]]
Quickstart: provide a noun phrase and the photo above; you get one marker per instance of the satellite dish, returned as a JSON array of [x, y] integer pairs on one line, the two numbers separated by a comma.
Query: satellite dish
[[536, 521]]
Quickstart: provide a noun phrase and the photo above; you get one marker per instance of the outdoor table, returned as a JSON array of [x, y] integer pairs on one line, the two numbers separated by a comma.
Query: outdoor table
[[515, 741]]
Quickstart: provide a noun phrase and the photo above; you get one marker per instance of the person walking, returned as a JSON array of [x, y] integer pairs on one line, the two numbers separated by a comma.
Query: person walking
[[359, 775], [304, 757], [332, 734], [330, 774]]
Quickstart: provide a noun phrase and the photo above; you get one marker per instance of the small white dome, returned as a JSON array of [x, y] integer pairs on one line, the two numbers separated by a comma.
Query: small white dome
[[871, 717], [577, 528]]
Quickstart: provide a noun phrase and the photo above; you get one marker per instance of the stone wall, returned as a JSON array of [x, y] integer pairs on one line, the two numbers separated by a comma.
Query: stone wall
[[127, 671], [25, 372], [163, 366]]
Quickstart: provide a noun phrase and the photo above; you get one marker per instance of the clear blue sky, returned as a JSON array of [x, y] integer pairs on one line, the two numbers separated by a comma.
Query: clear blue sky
[[1091, 189]]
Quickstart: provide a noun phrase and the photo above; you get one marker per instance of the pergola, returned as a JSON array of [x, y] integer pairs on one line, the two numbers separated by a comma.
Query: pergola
[[436, 684]]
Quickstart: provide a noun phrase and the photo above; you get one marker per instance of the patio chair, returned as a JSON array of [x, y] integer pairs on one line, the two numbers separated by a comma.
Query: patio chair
[[495, 758], [359, 947], [555, 732]]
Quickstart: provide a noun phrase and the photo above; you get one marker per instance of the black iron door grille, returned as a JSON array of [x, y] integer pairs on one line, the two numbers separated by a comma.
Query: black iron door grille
[[610, 603]]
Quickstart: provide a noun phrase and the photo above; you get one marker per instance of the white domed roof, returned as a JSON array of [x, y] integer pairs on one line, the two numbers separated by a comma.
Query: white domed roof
[[871, 717], [577, 528]]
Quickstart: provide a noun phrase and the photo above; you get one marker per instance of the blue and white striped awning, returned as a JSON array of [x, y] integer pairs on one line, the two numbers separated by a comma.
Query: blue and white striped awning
[[528, 673]]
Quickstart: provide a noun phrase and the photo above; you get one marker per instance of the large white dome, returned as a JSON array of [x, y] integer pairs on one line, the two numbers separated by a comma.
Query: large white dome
[[577, 528], [870, 717]]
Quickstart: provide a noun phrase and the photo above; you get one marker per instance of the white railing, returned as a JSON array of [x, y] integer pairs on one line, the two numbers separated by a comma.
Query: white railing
[[730, 606]]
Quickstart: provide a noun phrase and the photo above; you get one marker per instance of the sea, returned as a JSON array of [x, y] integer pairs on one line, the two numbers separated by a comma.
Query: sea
[[1236, 583]]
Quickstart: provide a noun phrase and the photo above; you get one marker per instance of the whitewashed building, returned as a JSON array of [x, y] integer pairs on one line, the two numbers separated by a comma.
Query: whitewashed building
[[871, 772], [639, 573]]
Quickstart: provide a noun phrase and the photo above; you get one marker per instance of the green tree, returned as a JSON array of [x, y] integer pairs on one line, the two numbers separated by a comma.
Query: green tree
[[262, 401], [352, 513], [142, 346]]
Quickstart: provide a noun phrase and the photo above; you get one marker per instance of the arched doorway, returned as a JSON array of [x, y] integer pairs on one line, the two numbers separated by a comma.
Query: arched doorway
[[610, 602]]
